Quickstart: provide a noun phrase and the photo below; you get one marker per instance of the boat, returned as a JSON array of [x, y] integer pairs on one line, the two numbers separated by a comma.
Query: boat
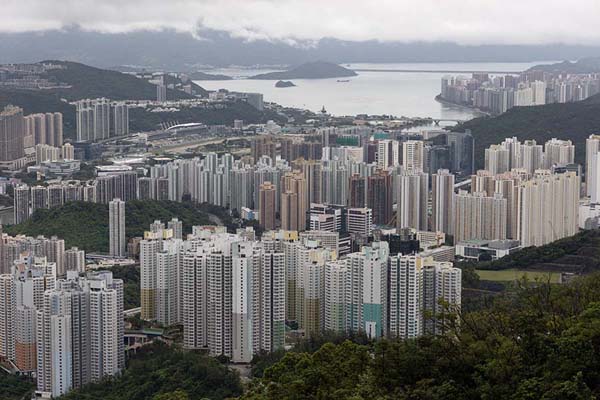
[[343, 80]]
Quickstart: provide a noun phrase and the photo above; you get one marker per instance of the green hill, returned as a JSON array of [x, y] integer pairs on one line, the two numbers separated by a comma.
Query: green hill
[[311, 70], [538, 342], [162, 372], [587, 65], [574, 121], [91, 82], [203, 76], [85, 225]]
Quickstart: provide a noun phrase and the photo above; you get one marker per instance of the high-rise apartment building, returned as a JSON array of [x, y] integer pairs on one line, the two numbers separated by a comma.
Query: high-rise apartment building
[[267, 205], [413, 198], [548, 208], [477, 216], [12, 135], [116, 219], [442, 201]]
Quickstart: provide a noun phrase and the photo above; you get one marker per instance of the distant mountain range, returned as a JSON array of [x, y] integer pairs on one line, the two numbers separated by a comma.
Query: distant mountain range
[[183, 52], [311, 70], [588, 65]]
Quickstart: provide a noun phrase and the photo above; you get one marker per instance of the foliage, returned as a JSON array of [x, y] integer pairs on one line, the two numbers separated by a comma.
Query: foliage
[[540, 342], [89, 82], [578, 253], [574, 121], [85, 224], [14, 387], [162, 372], [130, 274]]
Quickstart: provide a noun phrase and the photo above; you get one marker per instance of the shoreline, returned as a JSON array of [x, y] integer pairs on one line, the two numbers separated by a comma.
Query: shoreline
[[440, 100]]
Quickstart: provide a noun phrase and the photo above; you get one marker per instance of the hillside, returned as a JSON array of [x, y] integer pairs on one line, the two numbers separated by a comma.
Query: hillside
[[312, 70], [41, 101], [538, 342], [91, 82], [574, 121], [203, 76], [586, 65], [163, 372], [85, 225]]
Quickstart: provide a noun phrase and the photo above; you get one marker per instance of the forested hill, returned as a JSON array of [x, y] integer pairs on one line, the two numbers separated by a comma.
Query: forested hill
[[91, 82], [85, 224], [540, 342], [574, 121]]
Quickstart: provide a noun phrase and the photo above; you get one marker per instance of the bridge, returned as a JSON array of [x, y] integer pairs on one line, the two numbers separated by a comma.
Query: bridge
[[437, 121]]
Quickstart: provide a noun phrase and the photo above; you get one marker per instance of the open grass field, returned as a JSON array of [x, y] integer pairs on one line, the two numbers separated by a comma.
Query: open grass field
[[514, 274]]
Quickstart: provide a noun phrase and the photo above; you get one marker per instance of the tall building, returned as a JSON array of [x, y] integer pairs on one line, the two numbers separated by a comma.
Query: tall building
[[120, 120], [422, 295], [477, 216], [497, 159], [79, 333], [548, 208], [442, 201], [294, 202], [592, 168], [379, 197], [116, 219], [413, 195], [413, 155], [93, 119], [12, 135], [367, 292], [267, 205], [357, 191], [558, 152], [21, 203]]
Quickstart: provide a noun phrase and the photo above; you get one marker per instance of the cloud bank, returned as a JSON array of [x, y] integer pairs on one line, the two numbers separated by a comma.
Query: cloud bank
[[461, 21]]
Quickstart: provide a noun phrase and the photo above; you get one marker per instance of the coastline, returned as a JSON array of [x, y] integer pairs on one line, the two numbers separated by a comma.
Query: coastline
[[440, 100]]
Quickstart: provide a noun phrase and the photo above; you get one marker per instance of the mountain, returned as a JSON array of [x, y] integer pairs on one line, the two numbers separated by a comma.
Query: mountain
[[588, 65], [179, 51], [91, 82], [311, 70], [574, 121], [203, 76]]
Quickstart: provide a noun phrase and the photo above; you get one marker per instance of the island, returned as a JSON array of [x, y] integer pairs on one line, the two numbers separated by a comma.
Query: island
[[284, 84], [311, 70]]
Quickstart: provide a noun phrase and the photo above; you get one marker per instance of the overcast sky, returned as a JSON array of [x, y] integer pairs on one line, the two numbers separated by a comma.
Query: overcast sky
[[462, 21]]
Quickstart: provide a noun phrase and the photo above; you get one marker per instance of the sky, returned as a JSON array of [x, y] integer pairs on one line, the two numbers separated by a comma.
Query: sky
[[302, 21]]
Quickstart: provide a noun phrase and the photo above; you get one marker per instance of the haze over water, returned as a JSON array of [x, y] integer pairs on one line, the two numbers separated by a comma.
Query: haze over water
[[410, 94]]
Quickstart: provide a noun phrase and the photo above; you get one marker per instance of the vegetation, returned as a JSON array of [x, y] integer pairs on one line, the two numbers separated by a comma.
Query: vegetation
[[574, 121], [130, 274], [512, 275], [311, 70], [89, 82], [540, 342], [162, 372], [203, 76], [85, 225], [14, 387], [587, 65], [579, 253]]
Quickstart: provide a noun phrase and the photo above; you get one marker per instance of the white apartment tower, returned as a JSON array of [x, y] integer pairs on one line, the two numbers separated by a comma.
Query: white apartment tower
[[117, 238]]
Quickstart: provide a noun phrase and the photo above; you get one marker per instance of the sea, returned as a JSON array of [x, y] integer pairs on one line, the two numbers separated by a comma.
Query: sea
[[399, 89]]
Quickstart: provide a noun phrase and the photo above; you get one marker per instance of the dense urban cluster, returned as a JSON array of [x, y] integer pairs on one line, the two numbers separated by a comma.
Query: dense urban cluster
[[499, 93]]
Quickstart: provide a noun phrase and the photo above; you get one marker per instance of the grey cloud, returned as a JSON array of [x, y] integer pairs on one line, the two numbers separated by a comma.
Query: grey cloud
[[462, 21]]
